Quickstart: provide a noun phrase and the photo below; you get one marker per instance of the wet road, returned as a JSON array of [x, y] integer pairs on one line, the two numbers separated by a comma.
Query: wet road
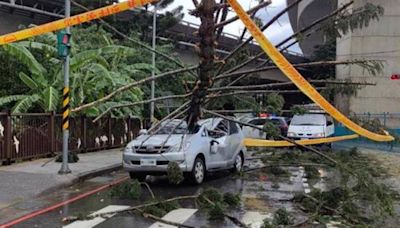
[[259, 195]]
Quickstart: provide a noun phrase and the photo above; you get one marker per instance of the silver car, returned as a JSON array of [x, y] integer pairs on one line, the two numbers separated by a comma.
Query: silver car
[[217, 144]]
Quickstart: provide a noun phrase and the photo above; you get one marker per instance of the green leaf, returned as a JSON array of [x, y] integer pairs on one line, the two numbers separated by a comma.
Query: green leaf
[[50, 99], [82, 58], [28, 81], [101, 72], [92, 112], [25, 104], [12, 98], [118, 50], [141, 67], [37, 45], [25, 56]]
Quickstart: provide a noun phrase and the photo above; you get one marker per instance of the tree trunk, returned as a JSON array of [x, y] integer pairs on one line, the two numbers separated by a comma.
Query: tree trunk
[[205, 11]]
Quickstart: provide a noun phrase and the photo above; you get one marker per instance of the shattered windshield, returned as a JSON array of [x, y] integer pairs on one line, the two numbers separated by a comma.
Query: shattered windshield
[[176, 127]]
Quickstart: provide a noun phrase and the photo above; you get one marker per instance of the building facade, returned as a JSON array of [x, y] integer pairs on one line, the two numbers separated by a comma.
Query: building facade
[[379, 41]]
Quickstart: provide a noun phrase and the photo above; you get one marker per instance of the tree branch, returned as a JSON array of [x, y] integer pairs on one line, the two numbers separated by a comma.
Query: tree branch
[[263, 28], [137, 42], [282, 137], [129, 86], [250, 11], [301, 31], [157, 99], [267, 68], [134, 208], [233, 93]]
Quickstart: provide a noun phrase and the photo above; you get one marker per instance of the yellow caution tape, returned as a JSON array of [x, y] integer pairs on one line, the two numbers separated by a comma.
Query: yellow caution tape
[[71, 21], [272, 143], [287, 68]]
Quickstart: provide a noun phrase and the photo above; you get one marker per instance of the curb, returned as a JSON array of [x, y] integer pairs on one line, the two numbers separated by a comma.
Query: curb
[[97, 172], [82, 177]]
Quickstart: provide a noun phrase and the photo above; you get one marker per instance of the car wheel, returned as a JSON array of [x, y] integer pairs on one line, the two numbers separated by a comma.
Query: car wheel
[[238, 163], [198, 172], [138, 176]]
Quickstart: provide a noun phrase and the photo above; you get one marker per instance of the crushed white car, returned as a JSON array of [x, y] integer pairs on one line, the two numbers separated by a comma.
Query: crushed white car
[[216, 145]]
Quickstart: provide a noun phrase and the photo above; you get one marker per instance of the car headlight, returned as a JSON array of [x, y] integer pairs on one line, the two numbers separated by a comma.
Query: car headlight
[[179, 147], [319, 135], [291, 134], [130, 149]]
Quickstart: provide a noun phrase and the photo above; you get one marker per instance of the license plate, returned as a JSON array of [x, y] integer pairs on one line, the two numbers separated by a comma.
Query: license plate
[[148, 162]]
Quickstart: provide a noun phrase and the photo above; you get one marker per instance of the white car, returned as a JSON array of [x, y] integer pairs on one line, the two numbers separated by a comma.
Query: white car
[[311, 126], [216, 145], [254, 133]]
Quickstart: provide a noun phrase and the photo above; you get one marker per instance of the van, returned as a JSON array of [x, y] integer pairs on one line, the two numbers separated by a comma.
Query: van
[[311, 126]]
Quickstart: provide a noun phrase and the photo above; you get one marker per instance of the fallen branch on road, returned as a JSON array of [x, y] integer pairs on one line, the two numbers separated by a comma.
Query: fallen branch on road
[[130, 209]]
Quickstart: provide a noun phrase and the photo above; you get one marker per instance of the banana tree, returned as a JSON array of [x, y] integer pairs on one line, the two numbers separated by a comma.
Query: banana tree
[[94, 73]]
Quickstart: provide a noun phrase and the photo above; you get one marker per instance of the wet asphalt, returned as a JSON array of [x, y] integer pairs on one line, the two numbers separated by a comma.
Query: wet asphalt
[[256, 188]]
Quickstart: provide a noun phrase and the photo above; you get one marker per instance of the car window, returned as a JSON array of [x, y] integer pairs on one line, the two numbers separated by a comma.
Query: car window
[[223, 126], [308, 120], [277, 122], [221, 130], [233, 129], [329, 121], [258, 122]]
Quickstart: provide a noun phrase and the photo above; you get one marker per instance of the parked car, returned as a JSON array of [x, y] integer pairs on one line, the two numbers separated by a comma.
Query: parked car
[[250, 132], [311, 126], [216, 145]]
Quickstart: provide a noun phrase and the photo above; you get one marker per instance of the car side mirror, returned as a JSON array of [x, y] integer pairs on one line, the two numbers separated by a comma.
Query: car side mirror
[[213, 142], [143, 132]]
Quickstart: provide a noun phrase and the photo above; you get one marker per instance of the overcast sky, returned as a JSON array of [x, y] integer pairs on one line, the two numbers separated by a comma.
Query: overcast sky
[[276, 33]]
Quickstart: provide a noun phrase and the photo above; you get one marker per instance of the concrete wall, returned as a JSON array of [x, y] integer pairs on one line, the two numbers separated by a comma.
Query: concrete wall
[[11, 22], [379, 41], [306, 13]]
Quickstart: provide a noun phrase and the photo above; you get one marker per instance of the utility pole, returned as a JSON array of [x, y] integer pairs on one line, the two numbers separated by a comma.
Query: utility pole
[[66, 109], [153, 72]]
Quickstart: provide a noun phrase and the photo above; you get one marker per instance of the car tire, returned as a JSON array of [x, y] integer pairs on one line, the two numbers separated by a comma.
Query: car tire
[[238, 165], [141, 177], [198, 173]]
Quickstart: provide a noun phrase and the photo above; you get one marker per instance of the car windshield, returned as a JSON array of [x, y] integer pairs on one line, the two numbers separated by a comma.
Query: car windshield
[[308, 120], [175, 127]]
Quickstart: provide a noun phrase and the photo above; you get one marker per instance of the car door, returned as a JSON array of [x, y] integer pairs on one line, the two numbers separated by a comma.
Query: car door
[[234, 141], [330, 127], [219, 145]]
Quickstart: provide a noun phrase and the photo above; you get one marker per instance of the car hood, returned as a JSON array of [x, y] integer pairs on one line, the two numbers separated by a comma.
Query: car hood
[[158, 140], [307, 129]]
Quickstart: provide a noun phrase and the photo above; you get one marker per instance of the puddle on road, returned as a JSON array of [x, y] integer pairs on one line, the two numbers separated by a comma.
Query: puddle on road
[[256, 188]]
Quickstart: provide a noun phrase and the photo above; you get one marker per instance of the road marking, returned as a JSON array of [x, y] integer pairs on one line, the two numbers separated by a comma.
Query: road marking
[[96, 221], [255, 219], [178, 216]]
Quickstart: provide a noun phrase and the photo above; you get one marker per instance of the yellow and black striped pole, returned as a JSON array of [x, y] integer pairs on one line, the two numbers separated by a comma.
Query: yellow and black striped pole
[[65, 109]]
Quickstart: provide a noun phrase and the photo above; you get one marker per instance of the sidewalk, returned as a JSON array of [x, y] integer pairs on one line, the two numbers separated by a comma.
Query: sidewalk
[[26, 180]]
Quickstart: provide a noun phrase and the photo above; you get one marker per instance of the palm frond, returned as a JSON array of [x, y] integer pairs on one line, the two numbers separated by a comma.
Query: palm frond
[[37, 45], [12, 98], [50, 99], [25, 56], [28, 81], [118, 50], [25, 104], [100, 72]]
